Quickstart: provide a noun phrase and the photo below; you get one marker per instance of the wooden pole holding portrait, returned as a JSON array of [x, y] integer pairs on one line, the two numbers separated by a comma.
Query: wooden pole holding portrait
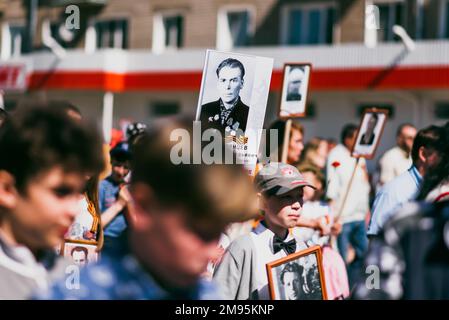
[[286, 140], [342, 206], [368, 138]]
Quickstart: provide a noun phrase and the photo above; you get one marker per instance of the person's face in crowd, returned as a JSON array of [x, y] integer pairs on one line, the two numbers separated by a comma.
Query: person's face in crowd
[[330, 145], [44, 212], [173, 246], [429, 158], [406, 138], [310, 193], [79, 258], [295, 79], [295, 148], [230, 83], [322, 149], [292, 286], [349, 141], [322, 153], [119, 170], [282, 212], [319, 156]]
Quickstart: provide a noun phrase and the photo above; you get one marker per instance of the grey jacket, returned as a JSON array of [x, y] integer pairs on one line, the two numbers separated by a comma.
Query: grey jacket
[[234, 274]]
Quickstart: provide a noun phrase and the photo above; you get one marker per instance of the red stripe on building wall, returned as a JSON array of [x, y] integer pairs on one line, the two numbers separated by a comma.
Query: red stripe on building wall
[[434, 77], [167, 81]]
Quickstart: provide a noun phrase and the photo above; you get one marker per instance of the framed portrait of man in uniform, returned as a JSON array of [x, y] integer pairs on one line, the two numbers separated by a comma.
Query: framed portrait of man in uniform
[[369, 133], [233, 100], [299, 276], [295, 87]]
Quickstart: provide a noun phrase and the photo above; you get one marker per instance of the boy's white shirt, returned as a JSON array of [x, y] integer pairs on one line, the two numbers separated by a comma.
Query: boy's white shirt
[[313, 210], [262, 239]]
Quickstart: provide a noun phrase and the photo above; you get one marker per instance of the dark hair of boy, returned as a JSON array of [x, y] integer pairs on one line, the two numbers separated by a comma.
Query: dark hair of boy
[[39, 138]]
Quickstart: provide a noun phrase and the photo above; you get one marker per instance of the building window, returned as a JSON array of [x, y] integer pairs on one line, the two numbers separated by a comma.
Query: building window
[[164, 108], [17, 39], [65, 37], [390, 13], [421, 30], [444, 16], [311, 111], [168, 32], [308, 24], [13, 40], [235, 27], [112, 34], [441, 110]]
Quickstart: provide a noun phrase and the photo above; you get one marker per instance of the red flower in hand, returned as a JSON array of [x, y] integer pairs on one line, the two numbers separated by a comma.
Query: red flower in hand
[[336, 164]]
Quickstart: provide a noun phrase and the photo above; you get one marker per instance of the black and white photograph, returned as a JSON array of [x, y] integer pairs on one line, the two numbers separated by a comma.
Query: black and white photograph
[[298, 276], [295, 85], [233, 99], [228, 108], [369, 133]]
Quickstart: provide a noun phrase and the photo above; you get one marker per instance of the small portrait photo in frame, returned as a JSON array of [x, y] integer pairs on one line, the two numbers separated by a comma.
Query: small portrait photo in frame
[[81, 253], [369, 133], [295, 87], [299, 276]]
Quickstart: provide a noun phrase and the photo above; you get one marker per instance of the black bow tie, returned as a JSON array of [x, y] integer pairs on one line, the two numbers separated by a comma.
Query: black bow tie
[[289, 246]]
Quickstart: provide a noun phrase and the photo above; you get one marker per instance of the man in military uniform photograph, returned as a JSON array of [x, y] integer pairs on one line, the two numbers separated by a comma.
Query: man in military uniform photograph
[[227, 114]]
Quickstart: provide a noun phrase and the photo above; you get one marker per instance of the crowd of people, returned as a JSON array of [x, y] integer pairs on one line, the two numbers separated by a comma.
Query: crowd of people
[[141, 227]]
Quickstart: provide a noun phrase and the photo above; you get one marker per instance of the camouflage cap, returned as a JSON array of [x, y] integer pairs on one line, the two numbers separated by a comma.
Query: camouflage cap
[[280, 176]]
